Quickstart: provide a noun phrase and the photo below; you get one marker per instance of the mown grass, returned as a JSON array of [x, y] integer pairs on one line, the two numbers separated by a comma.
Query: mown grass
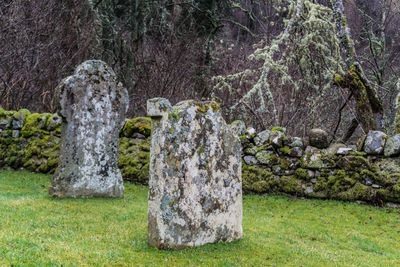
[[36, 230]]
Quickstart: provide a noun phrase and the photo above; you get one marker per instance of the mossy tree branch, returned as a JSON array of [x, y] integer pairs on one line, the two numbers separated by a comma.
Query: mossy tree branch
[[369, 108]]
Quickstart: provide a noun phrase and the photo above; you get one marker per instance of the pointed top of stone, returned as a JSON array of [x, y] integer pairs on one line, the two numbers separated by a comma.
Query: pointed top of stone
[[156, 107], [94, 67]]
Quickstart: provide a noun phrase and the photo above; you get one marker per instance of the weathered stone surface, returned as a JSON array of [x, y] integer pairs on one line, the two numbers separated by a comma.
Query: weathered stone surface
[[261, 138], [54, 122], [310, 149], [318, 138], [250, 133], [344, 150], [250, 160], [333, 148], [195, 187], [5, 123], [389, 165], [277, 138], [93, 107], [392, 146], [313, 161], [297, 142], [267, 158], [375, 142], [15, 133], [296, 152], [238, 127]]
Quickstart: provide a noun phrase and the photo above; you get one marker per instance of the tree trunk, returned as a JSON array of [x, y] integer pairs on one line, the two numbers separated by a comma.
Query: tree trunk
[[369, 109]]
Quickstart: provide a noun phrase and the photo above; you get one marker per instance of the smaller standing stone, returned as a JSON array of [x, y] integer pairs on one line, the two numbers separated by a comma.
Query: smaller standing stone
[[392, 147], [318, 138], [375, 142], [93, 105]]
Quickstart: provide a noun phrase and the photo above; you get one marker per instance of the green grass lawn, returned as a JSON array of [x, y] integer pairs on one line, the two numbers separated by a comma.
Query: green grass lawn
[[36, 230]]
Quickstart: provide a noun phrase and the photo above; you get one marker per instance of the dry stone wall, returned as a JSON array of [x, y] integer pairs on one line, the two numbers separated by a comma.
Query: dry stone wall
[[272, 161]]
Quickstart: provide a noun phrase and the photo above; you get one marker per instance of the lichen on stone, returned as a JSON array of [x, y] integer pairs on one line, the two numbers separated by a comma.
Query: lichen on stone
[[195, 185]]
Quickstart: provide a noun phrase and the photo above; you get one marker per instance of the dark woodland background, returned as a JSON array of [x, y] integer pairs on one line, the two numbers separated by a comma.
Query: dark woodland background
[[174, 48]]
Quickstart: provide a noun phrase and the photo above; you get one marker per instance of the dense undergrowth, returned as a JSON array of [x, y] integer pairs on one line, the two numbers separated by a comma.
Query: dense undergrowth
[[278, 231]]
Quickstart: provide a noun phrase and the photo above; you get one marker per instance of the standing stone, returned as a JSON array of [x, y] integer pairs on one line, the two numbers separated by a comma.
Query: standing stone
[[92, 108], [195, 186]]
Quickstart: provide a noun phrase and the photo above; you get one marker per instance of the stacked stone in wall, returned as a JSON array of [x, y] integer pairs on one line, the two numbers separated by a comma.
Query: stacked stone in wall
[[195, 187]]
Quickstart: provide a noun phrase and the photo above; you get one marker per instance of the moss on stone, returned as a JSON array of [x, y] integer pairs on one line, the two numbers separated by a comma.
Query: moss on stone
[[140, 125], [257, 180], [340, 181], [375, 177], [290, 185], [353, 163], [134, 158], [267, 159], [392, 179], [33, 125], [284, 150], [312, 161], [22, 114], [357, 192], [251, 150], [301, 174], [277, 129], [284, 163]]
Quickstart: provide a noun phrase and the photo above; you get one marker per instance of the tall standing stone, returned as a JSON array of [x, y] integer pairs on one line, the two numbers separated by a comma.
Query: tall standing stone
[[92, 107], [195, 187]]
